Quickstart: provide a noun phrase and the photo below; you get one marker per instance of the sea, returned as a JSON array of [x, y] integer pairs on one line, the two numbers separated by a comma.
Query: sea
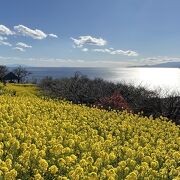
[[167, 79]]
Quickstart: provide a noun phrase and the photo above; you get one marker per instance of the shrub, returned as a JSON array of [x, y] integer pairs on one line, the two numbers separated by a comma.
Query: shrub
[[115, 101], [78, 89]]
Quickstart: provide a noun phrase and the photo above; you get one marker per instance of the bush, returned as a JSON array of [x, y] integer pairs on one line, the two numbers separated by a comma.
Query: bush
[[78, 89], [115, 101]]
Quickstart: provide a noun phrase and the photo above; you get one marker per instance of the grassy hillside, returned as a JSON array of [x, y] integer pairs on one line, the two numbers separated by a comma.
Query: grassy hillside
[[48, 139]]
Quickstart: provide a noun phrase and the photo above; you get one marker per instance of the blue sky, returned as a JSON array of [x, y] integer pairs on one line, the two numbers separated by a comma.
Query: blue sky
[[89, 33]]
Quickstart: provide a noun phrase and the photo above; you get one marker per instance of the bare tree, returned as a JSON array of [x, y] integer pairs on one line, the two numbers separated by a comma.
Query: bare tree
[[3, 72], [21, 73]]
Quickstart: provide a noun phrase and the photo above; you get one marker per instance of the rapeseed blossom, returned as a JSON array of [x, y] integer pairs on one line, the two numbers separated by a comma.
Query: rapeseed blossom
[[47, 139]]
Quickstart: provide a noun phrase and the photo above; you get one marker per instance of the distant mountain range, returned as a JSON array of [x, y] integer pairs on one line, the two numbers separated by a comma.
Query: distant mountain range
[[163, 65], [16, 65]]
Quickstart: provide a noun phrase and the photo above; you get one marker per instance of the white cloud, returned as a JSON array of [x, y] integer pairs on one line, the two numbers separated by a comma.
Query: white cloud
[[53, 35], [126, 53], [19, 49], [115, 52], [88, 40], [3, 38], [5, 43], [5, 31], [102, 50], [25, 31], [23, 45], [85, 49]]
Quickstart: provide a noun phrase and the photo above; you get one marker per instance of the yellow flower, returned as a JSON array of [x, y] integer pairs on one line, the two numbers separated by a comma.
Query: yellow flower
[[8, 163], [132, 176], [11, 174], [38, 177], [62, 178], [112, 156], [122, 164], [83, 163], [4, 169], [53, 169], [176, 156], [154, 164], [53, 137], [1, 136], [92, 176], [42, 153], [43, 164]]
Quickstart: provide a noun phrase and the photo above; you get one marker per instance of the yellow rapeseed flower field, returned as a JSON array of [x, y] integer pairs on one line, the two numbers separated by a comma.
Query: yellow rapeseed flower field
[[46, 139], [22, 89]]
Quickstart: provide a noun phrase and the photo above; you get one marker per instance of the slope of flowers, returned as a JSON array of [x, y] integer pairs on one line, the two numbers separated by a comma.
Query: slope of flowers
[[45, 139], [21, 89]]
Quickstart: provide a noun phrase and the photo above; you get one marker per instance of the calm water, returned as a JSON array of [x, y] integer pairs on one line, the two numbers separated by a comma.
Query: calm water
[[153, 78]]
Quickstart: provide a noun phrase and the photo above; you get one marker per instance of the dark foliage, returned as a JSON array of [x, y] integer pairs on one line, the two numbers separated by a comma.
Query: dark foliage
[[21, 73], [3, 72], [78, 89]]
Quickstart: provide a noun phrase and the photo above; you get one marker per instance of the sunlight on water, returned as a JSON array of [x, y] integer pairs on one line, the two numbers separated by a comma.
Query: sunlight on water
[[153, 78], [165, 77]]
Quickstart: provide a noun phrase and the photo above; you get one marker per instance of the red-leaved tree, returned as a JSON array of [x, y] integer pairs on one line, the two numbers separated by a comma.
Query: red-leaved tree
[[115, 101]]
